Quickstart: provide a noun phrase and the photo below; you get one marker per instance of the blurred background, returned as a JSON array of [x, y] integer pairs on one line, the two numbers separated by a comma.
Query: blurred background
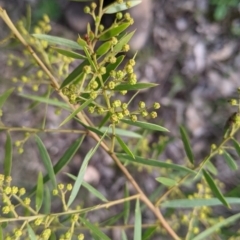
[[189, 47]]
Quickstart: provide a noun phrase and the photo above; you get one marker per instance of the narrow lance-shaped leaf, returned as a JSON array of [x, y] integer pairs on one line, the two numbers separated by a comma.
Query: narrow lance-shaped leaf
[[39, 192], [230, 161], [167, 181], [145, 125], [192, 203], [148, 233], [45, 100], [4, 96], [104, 48], [124, 235], [118, 7], [126, 205], [236, 146], [204, 234], [124, 40], [90, 188], [94, 229], [47, 201], [82, 171], [214, 188], [31, 233], [138, 222], [46, 160], [137, 86], [74, 74], [186, 144], [122, 132], [58, 41], [124, 146], [79, 109], [69, 53], [113, 31], [154, 163], [8, 156]]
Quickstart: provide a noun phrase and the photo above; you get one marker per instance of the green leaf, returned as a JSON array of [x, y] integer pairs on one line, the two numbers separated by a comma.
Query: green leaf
[[69, 53], [46, 161], [81, 42], [4, 96], [122, 132], [124, 40], [113, 31], [1, 233], [112, 220], [230, 161], [111, 67], [192, 203], [211, 168], [137, 86], [65, 159], [104, 48], [58, 41], [118, 7], [7, 165], [124, 146], [31, 233], [138, 222], [186, 144], [214, 188], [90, 188], [92, 129], [82, 171], [145, 125], [39, 192], [74, 113], [95, 229], [47, 201], [154, 163], [126, 210], [124, 235], [74, 74], [148, 233], [236, 146], [46, 100], [167, 181], [204, 234]]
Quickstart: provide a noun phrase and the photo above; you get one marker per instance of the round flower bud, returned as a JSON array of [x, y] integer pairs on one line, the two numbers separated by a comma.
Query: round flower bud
[[60, 186], [7, 190], [113, 73], [134, 118], [116, 103], [102, 70], [111, 85], [87, 69], [27, 201], [100, 110], [126, 112], [101, 28], [22, 191], [119, 16], [123, 92], [128, 4], [124, 106], [153, 114], [114, 41], [14, 190], [120, 115], [81, 237], [20, 150], [142, 104], [93, 5], [129, 69], [132, 62], [131, 21], [144, 113], [233, 102], [55, 192], [6, 210], [119, 1], [114, 118], [18, 233], [112, 59], [213, 146], [156, 105], [94, 85], [125, 48], [91, 109], [120, 74], [93, 95], [127, 16]]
